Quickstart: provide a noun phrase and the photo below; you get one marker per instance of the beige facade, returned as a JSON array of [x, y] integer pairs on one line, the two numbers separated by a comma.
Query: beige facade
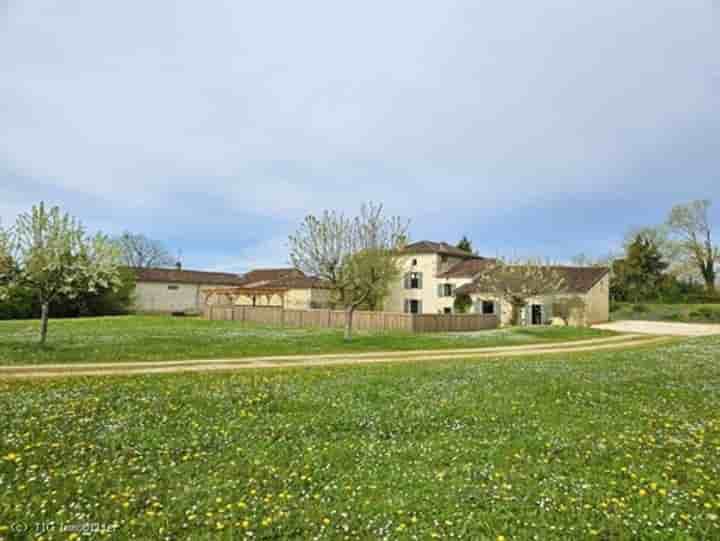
[[593, 306], [168, 297], [295, 299], [424, 271], [431, 273]]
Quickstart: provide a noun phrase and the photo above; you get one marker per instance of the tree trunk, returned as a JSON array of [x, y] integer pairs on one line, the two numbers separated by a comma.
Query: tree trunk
[[44, 313], [349, 311], [516, 310], [709, 275]]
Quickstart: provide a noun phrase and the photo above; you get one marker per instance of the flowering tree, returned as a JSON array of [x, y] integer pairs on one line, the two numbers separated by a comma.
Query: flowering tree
[[518, 282], [357, 256], [51, 254]]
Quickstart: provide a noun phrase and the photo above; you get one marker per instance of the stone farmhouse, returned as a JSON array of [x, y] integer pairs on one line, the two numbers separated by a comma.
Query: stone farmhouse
[[433, 273]]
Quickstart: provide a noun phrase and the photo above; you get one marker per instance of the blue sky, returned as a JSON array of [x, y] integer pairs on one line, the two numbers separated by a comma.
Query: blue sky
[[537, 129]]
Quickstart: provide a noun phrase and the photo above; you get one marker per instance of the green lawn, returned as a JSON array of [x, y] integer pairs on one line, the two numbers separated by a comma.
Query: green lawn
[[688, 313], [156, 338], [611, 445]]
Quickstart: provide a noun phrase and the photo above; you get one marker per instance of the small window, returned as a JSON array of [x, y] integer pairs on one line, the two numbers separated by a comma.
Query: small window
[[173, 288], [413, 280], [443, 258], [488, 307], [447, 311], [414, 262], [447, 290]]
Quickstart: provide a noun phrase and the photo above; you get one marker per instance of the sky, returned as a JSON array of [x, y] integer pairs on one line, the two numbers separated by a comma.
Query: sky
[[535, 128]]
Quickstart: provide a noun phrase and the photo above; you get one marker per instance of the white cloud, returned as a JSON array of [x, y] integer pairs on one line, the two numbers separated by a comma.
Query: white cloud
[[279, 109]]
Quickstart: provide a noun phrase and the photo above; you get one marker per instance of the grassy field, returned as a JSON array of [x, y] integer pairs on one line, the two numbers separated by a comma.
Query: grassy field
[[688, 313], [621, 445], [158, 338]]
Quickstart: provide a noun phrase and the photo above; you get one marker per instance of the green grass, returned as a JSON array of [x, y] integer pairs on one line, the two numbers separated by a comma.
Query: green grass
[[611, 445], [688, 313], [158, 338]]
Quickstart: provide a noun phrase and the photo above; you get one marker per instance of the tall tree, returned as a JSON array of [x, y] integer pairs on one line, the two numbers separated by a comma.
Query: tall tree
[[358, 256], [518, 282], [54, 257], [465, 244], [639, 275], [137, 250], [690, 223], [6, 262]]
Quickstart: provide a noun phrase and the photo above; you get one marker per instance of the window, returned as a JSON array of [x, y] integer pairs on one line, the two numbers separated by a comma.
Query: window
[[413, 280], [488, 307], [446, 290], [443, 259], [447, 310], [413, 306], [173, 288], [414, 262]]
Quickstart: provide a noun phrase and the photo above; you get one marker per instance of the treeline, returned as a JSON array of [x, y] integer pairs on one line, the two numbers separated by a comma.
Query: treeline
[[674, 262], [23, 303], [51, 267]]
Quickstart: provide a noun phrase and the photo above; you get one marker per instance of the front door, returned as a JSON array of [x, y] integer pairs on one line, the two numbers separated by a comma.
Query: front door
[[536, 314]]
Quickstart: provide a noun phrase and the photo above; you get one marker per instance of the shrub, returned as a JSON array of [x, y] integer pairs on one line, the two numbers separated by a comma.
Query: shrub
[[640, 308]]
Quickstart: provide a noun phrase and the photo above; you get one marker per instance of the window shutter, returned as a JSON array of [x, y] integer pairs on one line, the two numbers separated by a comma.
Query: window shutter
[[452, 290], [407, 306], [440, 290], [548, 313], [407, 281], [419, 307], [420, 280]]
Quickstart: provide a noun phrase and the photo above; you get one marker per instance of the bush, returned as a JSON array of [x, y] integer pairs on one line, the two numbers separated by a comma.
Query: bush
[[22, 303], [18, 305], [640, 309]]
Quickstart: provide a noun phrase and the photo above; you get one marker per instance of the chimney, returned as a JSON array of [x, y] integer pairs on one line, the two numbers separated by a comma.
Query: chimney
[[178, 265]]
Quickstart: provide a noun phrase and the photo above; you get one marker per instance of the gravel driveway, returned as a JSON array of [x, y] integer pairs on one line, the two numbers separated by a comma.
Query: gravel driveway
[[661, 328]]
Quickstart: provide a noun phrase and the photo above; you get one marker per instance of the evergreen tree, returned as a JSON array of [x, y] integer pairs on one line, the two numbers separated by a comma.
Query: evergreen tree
[[640, 274], [465, 244]]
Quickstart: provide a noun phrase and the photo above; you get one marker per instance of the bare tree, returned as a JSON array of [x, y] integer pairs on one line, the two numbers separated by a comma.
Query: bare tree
[[358, 256], [518, 282], [52, 255], [690, 223], [137, 250]]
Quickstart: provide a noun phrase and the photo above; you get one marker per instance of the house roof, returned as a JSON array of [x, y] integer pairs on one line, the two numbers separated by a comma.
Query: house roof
[[298, 282], [431, 247], [467, 268], [177, 276], [577, 279], [268, 278], [258, 276]]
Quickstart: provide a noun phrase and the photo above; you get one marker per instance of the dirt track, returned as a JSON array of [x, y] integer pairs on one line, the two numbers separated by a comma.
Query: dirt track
[[664, 328], [298, 361]]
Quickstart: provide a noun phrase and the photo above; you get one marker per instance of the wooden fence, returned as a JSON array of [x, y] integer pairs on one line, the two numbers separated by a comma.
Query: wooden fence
[[362, 320]]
